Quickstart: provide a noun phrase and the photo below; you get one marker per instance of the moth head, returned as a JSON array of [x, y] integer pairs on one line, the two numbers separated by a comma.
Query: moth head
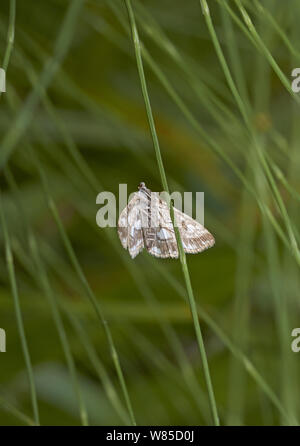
[[142, 185]]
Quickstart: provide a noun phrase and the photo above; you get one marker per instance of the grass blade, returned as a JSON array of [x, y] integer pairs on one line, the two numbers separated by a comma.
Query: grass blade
[[185, 270]]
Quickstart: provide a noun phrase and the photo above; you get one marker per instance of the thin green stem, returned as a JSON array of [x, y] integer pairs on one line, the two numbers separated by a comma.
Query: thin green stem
[[182, 256], [136, 275]]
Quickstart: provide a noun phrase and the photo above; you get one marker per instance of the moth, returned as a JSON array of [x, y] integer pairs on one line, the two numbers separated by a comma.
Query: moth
[[146, 223]]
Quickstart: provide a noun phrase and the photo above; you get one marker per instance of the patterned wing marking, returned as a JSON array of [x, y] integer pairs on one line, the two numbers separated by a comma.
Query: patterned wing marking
[[130, 227], [195, 237]]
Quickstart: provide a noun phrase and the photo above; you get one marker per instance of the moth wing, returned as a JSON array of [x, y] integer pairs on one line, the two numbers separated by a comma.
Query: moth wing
[[130, 227]]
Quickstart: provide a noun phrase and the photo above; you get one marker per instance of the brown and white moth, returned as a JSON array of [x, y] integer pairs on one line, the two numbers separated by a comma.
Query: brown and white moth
[[146, 223]]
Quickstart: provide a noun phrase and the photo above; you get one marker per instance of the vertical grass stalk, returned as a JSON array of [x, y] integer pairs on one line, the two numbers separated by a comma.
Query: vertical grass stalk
[[182, 256]]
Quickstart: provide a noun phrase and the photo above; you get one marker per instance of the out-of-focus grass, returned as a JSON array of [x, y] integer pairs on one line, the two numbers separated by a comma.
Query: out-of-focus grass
[[227, 121]]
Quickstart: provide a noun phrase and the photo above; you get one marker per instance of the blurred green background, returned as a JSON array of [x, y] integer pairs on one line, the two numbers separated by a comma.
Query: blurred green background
[[73, 123]]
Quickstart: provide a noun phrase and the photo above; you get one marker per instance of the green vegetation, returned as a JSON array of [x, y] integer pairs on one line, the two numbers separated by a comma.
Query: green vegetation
[[96, 338]]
